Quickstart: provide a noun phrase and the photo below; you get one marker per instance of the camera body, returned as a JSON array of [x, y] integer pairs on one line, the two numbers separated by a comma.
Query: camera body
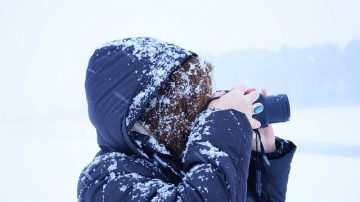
[[276, 108]]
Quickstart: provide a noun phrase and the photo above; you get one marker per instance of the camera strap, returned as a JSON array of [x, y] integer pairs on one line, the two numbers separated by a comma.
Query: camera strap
[[261, 162]]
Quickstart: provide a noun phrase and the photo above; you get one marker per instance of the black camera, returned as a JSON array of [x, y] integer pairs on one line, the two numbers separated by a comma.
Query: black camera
[[272, 109]]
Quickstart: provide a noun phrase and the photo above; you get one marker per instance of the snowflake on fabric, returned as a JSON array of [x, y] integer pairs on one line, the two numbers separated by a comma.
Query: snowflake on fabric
[[162, 58]]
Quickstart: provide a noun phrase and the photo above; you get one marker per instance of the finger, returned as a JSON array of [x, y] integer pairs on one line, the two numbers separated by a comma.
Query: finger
[[264, 92], [268, 130], [253, 96], [218, 94], [240, 88], [255, 124], [249, 90]]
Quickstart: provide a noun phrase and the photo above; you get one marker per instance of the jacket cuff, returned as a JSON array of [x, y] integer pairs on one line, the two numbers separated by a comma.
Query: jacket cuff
[[283, 147]]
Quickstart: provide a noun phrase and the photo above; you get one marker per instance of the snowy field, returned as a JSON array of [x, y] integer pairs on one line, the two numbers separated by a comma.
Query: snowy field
[[42, 158]]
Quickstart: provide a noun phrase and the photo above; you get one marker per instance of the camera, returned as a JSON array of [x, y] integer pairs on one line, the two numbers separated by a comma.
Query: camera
[[272, 109], [269, 109]]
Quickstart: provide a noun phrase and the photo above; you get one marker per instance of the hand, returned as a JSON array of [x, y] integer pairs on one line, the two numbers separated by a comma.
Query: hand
[[237, 100], [267, 133]]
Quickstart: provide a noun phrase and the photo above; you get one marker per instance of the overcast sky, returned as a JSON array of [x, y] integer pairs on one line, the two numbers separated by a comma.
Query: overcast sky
[[45, 45], [206, 25]]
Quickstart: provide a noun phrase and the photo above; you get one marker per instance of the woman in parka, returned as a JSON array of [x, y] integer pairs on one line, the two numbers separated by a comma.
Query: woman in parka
[[161, 139]]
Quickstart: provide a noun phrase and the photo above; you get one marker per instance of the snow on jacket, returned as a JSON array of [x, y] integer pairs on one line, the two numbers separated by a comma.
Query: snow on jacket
[[122, 78]]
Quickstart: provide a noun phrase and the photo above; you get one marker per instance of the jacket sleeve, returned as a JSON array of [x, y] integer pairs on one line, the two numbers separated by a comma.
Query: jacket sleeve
[[215, 164], [275, 177], [218, 151]]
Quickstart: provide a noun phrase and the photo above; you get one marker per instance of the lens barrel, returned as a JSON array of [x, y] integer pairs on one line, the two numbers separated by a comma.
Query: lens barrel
[[276, 109]]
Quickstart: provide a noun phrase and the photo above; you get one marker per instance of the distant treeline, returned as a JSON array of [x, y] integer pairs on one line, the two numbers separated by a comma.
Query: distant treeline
[[321, 75]]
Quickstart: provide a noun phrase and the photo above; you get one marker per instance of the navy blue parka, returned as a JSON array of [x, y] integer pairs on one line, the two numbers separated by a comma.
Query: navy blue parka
[[217, 165]]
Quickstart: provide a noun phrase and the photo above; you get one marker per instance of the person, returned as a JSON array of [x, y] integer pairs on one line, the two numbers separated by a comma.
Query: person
[[164, 136]]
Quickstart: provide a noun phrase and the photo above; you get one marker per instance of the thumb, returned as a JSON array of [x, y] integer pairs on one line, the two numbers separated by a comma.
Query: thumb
[[255, 124]]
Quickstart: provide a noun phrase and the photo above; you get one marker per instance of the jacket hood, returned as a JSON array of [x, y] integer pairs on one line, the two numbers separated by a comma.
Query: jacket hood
[[121, 79]]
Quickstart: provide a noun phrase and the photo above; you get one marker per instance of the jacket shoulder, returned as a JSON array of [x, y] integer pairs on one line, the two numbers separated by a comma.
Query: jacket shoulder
[[107, 168]]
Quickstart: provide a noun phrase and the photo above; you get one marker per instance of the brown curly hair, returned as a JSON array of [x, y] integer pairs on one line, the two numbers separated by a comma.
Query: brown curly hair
[[186, 93]]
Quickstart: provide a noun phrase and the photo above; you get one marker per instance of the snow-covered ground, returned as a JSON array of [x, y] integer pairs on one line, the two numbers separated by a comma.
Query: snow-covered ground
[[327, 163], [42, 158]]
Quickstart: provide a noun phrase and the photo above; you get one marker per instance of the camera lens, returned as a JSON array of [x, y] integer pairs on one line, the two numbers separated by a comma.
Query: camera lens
[[276, 109]]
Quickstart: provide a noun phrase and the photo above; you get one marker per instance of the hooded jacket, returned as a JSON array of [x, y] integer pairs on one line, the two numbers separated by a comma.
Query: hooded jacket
[[122, 77]]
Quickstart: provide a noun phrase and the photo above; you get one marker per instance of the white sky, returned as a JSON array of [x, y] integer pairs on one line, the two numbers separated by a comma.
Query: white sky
[[45, 45], [206, 25]]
